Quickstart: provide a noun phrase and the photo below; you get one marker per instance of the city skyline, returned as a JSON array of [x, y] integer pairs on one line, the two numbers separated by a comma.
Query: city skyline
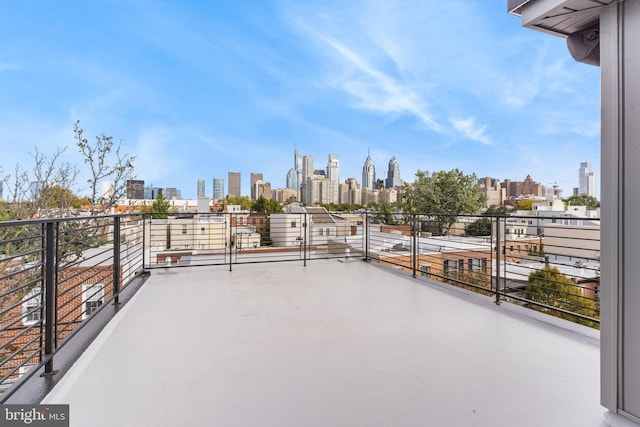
[[197, 90]]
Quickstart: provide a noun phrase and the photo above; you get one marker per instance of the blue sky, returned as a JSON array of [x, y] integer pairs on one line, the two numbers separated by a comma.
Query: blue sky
[[196, 89]]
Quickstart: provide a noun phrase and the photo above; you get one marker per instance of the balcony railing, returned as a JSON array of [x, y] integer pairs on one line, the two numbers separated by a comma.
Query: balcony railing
[[58, 274]]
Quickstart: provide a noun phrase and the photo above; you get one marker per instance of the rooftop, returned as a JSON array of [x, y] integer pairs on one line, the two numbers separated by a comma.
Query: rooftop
[[332, 343]]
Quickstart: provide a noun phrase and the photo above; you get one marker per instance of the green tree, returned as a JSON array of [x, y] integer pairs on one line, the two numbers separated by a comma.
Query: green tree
[[267, 205], [554, 289], [55, 196], [583, 200], [524, 205], [479, 227], [244, 202], [495, 210], [160, 207], [443, 195]]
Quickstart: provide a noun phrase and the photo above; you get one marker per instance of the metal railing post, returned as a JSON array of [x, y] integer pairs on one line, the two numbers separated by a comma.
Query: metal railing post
[[144, 244], [498, 253], [414, 246], [366, 236], [116, 259], [305, 239], [43, 255], [230, 240], [49, 296]]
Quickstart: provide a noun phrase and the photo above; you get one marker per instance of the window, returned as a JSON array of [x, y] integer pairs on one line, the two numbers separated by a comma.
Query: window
[[261, 220], [474, 264], [293, 224], [461, 265], [92, 298], [31, 307], [202, 231], [450, 267], [201, 245], [184, 228], [328, 232], [253, 221], [321, 231], [484, 265], [425, 270]]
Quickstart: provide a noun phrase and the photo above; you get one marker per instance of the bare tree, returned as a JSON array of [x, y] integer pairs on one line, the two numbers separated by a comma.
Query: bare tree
[[106, 162]]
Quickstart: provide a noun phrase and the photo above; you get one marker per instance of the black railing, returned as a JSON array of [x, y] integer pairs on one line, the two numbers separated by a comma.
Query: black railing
[[56, 274], [550, 264], [180, 240]]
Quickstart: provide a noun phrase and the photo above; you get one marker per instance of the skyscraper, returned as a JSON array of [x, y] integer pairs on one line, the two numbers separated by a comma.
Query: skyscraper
[[333, 168], [297, 165], [255, 177], [393, 174], [586, 180], [292, 179], [201, 189], [218, 188], [307, 167], [135, 189], [368, 173], [234, 184]]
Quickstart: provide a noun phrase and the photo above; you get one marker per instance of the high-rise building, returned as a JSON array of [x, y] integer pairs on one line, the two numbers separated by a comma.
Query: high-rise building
[[255, 177], [108, 190], [318, 189], [350, 192], [307, 167], [201, 188], [234, 184], [528, 187], [135, 189], [393, 174], [172, 193], [491, 188], [297, 165], [218, 188], [152, 193], [586, 180], [292, 179], [333, 168], [368, 173]]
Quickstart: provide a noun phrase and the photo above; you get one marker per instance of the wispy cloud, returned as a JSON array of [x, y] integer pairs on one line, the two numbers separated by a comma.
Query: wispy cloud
[[470, 130]]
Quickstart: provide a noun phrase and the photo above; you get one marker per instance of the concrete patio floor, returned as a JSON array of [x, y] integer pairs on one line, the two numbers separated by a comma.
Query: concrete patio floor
[[333, 343]]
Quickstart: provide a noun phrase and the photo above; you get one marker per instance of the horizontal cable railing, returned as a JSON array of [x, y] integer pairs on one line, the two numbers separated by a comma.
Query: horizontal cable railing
[[549, 264], [180, 240], [56, 274]]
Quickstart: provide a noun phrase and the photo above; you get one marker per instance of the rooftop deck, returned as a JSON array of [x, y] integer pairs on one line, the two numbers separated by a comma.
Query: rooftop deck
[[333, 343]]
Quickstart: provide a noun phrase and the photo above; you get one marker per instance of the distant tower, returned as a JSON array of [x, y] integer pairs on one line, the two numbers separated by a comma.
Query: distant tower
[[307, 167], [135, 189], [234, 184], [586, 180], [218, 188], [393, 174], [368, 173], [201, 192], [255, 177], [333, 168], [108, 190], [297, 165], [292, 179]]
